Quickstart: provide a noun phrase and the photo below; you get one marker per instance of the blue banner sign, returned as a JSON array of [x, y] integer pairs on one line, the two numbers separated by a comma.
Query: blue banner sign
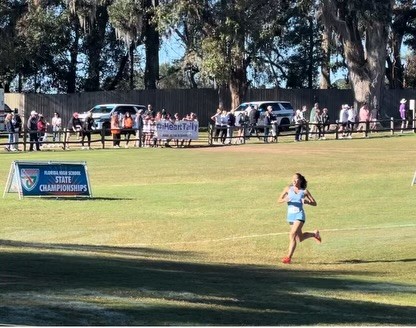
[[49, 179]]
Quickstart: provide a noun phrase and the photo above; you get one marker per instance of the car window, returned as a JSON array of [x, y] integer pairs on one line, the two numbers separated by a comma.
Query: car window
[[124, 109], [7, 109], [286, 105], [102, 109], [262, 108], [131, 110], [242, 107], [276, 107]]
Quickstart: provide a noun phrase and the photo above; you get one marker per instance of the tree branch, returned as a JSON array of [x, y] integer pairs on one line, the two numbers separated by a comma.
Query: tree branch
[[328, 14]]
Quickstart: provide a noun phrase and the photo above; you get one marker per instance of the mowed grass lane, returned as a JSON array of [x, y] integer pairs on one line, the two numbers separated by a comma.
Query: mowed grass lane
[[195, 237]]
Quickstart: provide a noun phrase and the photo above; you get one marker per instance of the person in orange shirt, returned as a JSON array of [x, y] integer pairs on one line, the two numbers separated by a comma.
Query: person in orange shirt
[[127, 125], [115, 129]]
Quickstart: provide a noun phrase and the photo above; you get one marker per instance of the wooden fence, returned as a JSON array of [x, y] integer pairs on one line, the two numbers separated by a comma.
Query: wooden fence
[[203, 102], [209, 137]]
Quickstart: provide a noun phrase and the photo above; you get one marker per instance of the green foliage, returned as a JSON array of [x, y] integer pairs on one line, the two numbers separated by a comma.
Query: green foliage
[[240, 42], [410, 72], [126, 16]]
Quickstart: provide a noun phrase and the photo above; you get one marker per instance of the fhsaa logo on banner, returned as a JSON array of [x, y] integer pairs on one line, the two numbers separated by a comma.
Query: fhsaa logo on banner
[[29, 178]]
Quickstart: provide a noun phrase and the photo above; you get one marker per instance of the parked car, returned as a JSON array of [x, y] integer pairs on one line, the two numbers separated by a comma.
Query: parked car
[[282, 110], [102, 113]]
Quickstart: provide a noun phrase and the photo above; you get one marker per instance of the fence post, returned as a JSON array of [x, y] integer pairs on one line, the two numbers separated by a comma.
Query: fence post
[[391, 125], [307, 131], [103, 137], [24, 138], [337, 130], [210, 130]]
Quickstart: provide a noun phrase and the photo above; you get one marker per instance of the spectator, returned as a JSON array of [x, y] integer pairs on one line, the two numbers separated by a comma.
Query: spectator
[[403, 114], [365, 118], [217, 124], [168, 117], [224, 123], [74, 128], [127, 125], [193, 117], [267, 124], [253, 116], [273, 122], [148, 130], [375, 116], [56, 127], [115, 129], [42, 130], [352, 116], [32, 126], [138, 125], [150, 111], [312, 116], [318, 120], [17, 124], [8, 124], [343, 120], [325, 122], [242, 120], [299, 120], [230, 126], [176, 119], [87, 127], [157, 142]]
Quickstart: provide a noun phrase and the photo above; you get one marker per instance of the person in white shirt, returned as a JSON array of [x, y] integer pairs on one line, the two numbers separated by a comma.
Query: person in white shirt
[[352, 116], [217, 121], [56, 127], [299, 120], [343, 120]]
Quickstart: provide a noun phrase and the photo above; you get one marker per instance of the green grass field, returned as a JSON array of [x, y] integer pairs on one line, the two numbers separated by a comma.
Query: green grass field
[[195, 237]]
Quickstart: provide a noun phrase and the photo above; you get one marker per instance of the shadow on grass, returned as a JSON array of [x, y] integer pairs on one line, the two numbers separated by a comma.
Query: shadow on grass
[[86, 198], [40, 286], [99, 249], [357, 261]]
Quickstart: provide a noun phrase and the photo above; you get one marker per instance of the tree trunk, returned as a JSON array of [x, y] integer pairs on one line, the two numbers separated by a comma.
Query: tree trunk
[[152, 42], [365, 61], [95, 42], [394, 65], [223, 92], [310, 54], [71, 76], [238, 82], [119, 76], [325, 81], [238, 85], [131, 67]]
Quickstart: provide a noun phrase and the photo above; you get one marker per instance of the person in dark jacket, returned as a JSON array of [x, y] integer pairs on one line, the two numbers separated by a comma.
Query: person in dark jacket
[[87, 127], [8, 124], [267, 126], [17, 123], [32, 126], [253, 116], [230, 126], [138, 125], [74, 127]]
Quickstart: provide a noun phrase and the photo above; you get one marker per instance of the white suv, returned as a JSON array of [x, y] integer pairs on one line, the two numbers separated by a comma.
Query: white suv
[[282, 110], [102, 113]]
